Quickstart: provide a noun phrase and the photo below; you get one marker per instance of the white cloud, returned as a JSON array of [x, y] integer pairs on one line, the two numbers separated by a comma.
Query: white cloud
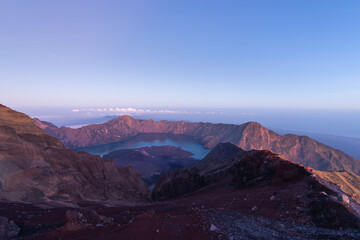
[[130, 110]]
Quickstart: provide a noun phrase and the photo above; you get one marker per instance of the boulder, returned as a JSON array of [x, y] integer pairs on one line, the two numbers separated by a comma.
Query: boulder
[[85, 218], [8, 229]]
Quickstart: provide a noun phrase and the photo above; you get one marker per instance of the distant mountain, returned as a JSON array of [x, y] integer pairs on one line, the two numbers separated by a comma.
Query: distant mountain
[[37, 168], [278, 180], [43, 124], [252, 135], [76, 123], [348, 145], [151, 162]]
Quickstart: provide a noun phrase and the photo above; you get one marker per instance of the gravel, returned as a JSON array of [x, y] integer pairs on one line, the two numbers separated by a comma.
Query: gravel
[[234, 225]]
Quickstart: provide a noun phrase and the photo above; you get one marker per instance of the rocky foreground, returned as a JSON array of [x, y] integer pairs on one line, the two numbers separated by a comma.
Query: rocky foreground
[[323, 206], [219, 211], [230, 194]]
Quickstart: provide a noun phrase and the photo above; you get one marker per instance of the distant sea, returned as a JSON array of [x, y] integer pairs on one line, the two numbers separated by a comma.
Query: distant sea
[[337, 128]]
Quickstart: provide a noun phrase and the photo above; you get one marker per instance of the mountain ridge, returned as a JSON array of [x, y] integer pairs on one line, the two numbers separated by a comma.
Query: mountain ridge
[[251, 135]]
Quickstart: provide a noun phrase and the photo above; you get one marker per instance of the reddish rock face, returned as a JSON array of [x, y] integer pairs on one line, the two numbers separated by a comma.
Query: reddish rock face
[[252, 135], [35, 167], [231, 166], [232, 194]]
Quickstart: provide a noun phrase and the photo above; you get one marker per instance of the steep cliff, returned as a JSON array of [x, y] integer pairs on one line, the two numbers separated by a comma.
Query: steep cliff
[[35, 167]]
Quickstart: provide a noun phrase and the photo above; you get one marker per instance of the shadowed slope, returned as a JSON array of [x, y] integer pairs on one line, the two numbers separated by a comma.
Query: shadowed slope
[[263, 170], [150, 162]]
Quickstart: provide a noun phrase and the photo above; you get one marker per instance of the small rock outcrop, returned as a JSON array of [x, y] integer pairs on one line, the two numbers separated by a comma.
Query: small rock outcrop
[[85, 218], [8, 229]]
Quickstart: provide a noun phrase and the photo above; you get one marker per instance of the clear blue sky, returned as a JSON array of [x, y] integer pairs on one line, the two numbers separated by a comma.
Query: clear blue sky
[[255, 54]]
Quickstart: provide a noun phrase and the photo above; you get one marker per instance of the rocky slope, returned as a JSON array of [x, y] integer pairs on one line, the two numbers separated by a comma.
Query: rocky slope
[[43, 124], [325, 207], [252, 135], [151, 162], [244, 195], [35, 167], [348, 182]]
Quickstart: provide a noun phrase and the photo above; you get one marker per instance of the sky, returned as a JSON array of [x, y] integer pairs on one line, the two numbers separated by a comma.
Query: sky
[[262, 54], [181, 56]]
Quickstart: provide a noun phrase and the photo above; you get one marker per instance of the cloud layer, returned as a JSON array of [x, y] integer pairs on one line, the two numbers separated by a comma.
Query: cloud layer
[[129, 110]]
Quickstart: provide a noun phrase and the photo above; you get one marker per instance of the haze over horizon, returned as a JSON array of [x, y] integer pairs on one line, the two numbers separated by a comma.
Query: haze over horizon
[[239, 54], [286, 64]]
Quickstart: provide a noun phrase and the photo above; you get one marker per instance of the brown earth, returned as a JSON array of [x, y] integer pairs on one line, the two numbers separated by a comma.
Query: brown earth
[[245, 169], [285, 210], [37, 168]]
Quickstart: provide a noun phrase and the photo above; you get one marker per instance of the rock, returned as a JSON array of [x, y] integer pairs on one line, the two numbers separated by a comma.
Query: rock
[[345, 199], [300, 209], [262, 168], [330, 213], [8, 229], [36, 167], [85, 218], [213, 228]]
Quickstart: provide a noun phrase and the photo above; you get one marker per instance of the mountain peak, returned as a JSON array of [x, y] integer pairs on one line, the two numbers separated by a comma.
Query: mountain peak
[[226, 148], [221, 152], [125, 117], [43, 124], [253, 125], [20, 122]]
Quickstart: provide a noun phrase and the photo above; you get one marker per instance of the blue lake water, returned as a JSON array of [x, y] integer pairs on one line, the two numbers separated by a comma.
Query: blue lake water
[[147, 140]]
